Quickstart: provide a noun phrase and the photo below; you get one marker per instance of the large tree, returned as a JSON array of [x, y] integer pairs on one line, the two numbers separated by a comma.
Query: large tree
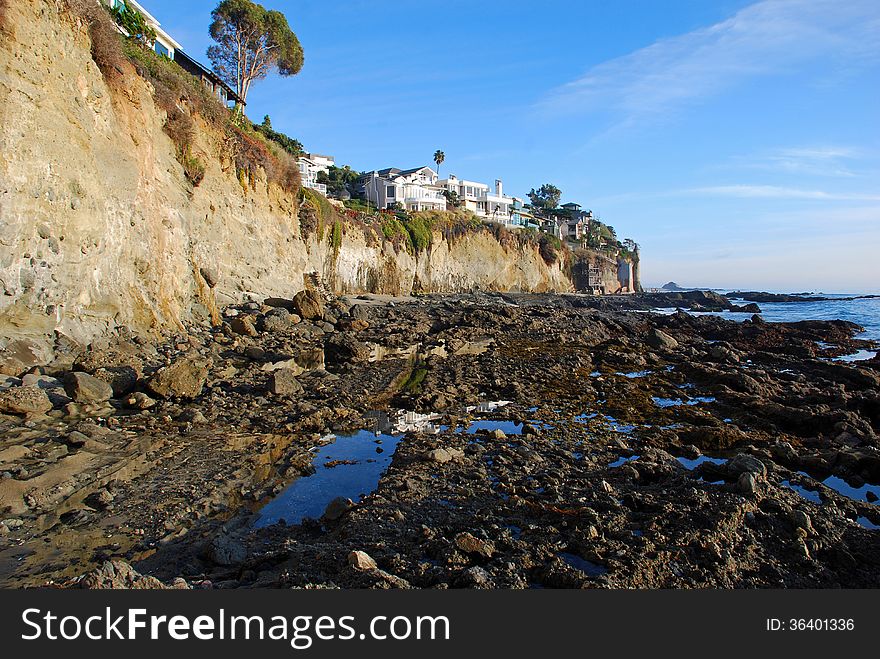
[[545, 199], [251, 42]]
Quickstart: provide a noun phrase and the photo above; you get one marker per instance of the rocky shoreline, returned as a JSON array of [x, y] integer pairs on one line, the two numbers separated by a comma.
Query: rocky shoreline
[[559, 441]]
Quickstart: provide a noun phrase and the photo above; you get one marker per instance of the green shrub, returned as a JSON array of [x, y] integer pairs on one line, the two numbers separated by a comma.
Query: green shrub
[[336, 240], [360, 205], [133, 22], [415, 380], [193, 167], [420, 232], [395, 232], [288, 144]]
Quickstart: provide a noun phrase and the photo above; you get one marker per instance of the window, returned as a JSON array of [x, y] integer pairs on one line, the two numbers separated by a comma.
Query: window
[[389, 192], [161, 50]]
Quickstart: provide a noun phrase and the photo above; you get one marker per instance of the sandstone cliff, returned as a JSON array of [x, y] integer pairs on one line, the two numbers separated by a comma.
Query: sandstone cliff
[[99, 227]]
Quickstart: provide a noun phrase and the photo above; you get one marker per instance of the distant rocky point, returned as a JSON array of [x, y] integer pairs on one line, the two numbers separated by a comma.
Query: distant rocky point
[[671, 286]]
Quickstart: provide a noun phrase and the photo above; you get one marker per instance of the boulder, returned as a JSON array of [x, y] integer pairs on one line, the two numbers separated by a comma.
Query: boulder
[[801, 520], [337, 508], [87, 389], [360, 312], [309, 304], [24, 400], [210, 275], [277, 320], [361, 560], [342, 349], [747, 484], [140, 401], [283, 382], [280, 303], [123, 379], [442, 455], [185, 378], [227, 549], [470, 544], [117, 575], [744, 463], [659, 339], [243, 325]]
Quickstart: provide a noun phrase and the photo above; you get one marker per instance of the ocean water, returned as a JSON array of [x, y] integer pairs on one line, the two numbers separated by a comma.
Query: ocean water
[[864, 312]]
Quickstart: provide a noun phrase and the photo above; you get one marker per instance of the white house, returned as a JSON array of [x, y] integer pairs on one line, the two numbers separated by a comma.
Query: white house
[[415, 189], [165, 43], [323, 163], [480, 200], [308, 171]]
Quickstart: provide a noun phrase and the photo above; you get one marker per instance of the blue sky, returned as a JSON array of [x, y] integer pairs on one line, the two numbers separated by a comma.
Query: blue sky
[[737, 141]]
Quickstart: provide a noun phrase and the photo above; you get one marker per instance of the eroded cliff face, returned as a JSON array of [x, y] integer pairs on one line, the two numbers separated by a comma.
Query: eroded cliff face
[[100, 229]]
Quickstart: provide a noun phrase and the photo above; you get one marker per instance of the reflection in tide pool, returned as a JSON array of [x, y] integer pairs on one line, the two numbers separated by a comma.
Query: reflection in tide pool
[[809, 495], [678, 402], [860, 356], [690, 465], [349, 467], [635, 375], [507, 427], [856, 493], [622, 461]]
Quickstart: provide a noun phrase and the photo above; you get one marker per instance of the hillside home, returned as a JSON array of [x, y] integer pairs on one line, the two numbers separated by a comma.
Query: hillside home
[[480, 200], [520, 216], [323, 163], [167, 46], [308, 171], [415, 189], [208, 78], [165, 43]]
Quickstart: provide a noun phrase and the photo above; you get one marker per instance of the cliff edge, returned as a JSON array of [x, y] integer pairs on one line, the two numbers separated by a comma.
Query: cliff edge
[[101, 226]]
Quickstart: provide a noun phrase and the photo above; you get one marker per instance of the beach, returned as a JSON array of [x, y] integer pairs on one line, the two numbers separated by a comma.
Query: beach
[[473, 440]]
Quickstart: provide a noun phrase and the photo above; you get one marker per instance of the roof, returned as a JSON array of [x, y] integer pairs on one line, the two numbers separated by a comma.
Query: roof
[[571, 204], [196, 68], [407, 172]]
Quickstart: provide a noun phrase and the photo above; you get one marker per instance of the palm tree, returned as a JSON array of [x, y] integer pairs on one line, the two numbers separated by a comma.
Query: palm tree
[[439, 158]]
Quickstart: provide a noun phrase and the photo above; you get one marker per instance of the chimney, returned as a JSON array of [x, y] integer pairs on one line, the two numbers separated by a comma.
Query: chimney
[[499, 187]]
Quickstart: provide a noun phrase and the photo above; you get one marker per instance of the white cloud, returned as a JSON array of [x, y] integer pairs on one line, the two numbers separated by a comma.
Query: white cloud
[[777, 192], [768, 37]]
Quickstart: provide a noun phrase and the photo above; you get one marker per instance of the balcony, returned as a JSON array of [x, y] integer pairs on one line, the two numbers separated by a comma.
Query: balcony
[[319, 187], [414, 194]]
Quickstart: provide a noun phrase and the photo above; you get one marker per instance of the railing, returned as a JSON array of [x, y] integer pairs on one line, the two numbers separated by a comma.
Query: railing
[[320, 187]]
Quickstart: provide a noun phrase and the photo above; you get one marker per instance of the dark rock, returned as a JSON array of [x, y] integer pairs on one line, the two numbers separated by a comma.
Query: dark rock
[[100, 500], [309, 304], [659, 339], [280, 303], [185, 378], [117, 575], [243, 325], [210, 276], [87, 389], [343, 349], [283, 382], [277, 320], [337, 508], [226, 549], [140, 401], [24, 400], [744, 463], [470, 544], [361, 560]]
